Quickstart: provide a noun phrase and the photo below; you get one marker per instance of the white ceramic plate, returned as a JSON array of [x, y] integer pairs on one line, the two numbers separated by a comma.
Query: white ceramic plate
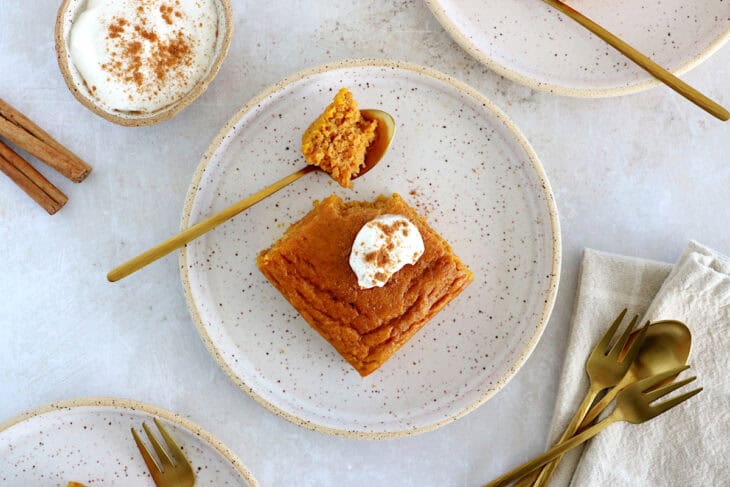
[[89, 441], [531, 43], [459, 161]]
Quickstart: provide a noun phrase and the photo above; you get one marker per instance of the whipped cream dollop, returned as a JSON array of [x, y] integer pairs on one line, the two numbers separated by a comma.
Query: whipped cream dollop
[[143, 55], [382, 247]]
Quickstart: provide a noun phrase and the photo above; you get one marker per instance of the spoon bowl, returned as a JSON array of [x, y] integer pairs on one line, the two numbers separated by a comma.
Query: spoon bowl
[[384, 133], [666, 346]]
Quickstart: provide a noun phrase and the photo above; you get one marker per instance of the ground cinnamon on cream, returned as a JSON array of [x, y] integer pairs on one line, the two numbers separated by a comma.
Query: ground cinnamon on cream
[[382, 247], [137, 50], [142, 55]]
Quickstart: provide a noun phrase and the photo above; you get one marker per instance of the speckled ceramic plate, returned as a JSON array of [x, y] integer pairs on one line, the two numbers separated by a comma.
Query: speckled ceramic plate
[[463, 165], [89, 441], [531, 43]]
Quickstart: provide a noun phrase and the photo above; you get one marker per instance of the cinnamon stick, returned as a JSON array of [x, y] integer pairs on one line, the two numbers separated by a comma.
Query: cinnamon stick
[[30, 180], [21, 131]]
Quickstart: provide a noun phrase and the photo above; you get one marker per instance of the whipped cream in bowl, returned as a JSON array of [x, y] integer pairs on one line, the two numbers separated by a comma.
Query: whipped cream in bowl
[[139, 62], [382, 247]]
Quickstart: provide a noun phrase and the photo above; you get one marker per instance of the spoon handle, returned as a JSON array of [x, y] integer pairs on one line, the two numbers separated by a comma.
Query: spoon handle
[[643, 61], [570, 430], [554, 452], [202, 227]]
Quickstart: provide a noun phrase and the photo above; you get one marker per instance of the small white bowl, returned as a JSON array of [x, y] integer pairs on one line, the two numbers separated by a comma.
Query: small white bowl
[[67, 14]]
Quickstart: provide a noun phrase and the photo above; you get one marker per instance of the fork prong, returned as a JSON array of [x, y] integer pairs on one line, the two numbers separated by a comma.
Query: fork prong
[[175, 451], [646, 384], [602, 346], [161, 453], [621, 342], [655, 394], [670, 403], [152, 466], [635, 346]]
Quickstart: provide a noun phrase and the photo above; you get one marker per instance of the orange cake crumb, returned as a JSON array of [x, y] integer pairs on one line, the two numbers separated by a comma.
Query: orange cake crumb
[[337, 140]]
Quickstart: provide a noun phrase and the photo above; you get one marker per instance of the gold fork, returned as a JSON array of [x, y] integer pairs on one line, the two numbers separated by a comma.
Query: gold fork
[[606, 367], [633, 405], [168, 474]]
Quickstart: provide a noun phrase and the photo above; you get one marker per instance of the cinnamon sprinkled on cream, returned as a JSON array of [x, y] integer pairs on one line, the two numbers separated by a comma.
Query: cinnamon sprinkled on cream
[[382, 247], [152, 51], [140, 56]]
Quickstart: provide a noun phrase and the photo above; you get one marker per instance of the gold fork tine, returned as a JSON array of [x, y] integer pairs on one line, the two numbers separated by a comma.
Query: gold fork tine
[[175, 450], [164, 472], [646, 384], [606, 340], [161, 453], [663, 391], [148, 460], [669, 404], [636, 345], [621, 342]]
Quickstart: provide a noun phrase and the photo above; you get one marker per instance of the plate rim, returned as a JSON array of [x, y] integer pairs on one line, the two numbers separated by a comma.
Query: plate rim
[[539, 172], [134, 405], [558, 89]]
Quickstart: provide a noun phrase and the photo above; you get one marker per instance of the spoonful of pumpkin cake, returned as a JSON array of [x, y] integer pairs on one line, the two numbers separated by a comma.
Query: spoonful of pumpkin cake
[[343, 141], [339, 139]]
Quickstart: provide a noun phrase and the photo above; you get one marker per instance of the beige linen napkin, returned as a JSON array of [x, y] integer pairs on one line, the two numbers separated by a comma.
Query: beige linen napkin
[[686, 446]]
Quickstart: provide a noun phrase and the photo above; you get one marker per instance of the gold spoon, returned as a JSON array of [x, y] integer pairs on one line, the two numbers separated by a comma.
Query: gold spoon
[[384, 135], [644, 62], [665, 347]]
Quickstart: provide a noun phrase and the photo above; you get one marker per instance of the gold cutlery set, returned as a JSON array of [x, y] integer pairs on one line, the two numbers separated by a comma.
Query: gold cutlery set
[[638, 370]]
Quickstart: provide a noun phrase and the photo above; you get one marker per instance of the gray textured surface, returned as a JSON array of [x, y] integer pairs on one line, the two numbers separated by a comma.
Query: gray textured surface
[[638, 175]]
